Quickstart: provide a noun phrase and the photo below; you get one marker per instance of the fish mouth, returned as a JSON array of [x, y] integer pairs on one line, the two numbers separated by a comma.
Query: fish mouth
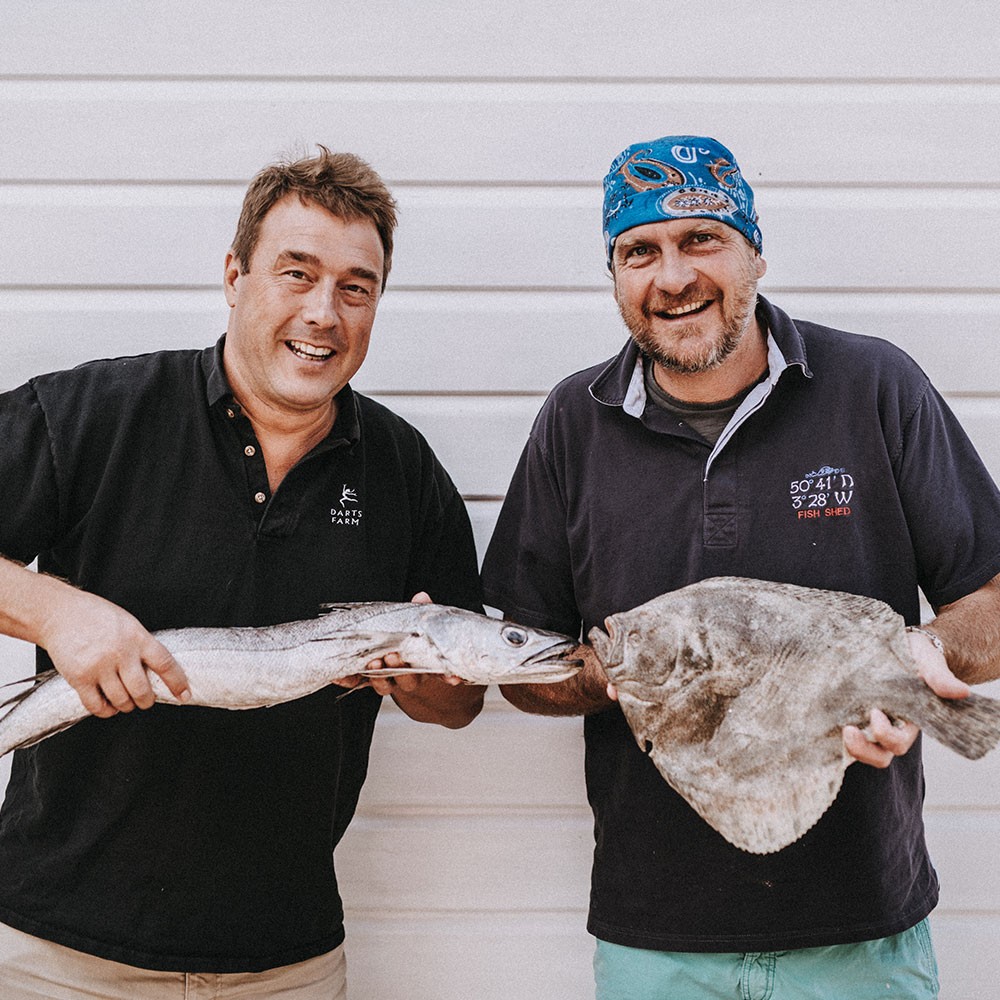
[[556, 654]]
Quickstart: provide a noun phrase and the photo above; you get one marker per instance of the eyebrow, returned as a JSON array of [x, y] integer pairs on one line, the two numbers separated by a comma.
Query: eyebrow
[[304, 257], [625, 242]]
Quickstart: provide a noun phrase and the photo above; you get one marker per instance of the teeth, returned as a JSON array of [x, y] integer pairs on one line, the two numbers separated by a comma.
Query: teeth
[[308, 350], [689, 308]]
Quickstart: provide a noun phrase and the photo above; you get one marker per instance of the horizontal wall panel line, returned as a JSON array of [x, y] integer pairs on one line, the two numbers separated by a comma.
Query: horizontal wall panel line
[[982, 809], [84, 297], [770, 291], [239, 184], [596, 88], [516, 39], [475, 811], [425, 915], [521, 132], [117, 237], [977, 915], [562, 196], [438, 916], [593, 79]]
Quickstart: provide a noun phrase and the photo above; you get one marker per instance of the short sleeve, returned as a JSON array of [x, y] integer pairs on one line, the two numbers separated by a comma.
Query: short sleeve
[[29, 499], [527, 570], [951, 503]]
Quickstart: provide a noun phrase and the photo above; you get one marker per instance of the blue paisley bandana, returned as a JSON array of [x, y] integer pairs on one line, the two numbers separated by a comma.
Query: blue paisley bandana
[[677, 177]]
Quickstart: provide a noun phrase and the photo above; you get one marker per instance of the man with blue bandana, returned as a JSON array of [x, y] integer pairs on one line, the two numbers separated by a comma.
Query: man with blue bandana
[[727, 439]]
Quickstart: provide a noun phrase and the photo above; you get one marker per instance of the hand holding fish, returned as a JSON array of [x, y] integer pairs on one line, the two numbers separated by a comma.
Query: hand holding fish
[[582, 694], [391, 682], [102, 652], [423, 697], [883, 739], [105, 653]]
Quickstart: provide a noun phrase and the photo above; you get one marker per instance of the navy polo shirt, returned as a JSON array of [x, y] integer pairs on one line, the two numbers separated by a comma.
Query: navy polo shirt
[[188, 838], [843, 469]]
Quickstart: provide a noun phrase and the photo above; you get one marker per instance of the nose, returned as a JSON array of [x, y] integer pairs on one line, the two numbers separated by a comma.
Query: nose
[[320, 306], [674, 271]]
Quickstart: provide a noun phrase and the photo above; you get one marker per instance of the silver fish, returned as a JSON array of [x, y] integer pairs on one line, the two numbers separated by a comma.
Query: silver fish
[[738, 690], [242, 668]]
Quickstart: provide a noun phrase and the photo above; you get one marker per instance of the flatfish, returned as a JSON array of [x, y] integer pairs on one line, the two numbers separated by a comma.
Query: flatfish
[[738, 690]]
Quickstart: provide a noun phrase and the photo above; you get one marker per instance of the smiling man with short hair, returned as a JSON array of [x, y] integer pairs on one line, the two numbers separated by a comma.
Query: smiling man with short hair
[[162, 852]]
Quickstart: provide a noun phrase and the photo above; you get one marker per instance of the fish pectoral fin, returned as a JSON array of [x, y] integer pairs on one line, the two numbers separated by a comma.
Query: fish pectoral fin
[[367, 640], [366, 645], [352, 690]]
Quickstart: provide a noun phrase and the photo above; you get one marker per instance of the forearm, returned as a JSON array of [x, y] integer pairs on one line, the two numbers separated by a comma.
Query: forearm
[[583, 694], [435, 701], [101, 649], [970, 632], [30, 602]]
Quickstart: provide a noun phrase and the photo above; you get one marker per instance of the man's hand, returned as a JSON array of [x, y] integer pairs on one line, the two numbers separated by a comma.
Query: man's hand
[[438, 698], [882, 739], [585, 693], [104, 653]]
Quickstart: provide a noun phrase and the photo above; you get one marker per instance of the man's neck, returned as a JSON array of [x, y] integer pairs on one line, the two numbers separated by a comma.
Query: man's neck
[[286, 438]]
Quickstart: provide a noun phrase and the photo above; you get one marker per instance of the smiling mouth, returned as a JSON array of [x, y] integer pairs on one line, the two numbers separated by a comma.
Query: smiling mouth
[[681, 312], [309, 352]]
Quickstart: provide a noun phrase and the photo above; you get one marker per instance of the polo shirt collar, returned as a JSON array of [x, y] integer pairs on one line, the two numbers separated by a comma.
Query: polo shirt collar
[[621, 383], [346, 428]]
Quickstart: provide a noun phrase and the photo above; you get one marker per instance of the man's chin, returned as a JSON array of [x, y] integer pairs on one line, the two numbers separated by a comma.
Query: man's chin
[[695, 359]]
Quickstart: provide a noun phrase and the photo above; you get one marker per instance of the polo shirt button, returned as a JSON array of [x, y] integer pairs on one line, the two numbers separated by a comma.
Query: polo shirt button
[[260, 497], [249, 451]]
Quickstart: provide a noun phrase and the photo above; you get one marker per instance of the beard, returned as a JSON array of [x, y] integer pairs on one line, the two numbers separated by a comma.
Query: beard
[[685, 348]]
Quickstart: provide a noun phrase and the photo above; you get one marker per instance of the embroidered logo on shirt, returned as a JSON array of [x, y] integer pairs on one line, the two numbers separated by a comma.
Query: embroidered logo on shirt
[[347, 511], [825, 492]]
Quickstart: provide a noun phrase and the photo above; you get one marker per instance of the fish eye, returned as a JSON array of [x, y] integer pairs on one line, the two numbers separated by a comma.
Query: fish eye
[[514, 636]]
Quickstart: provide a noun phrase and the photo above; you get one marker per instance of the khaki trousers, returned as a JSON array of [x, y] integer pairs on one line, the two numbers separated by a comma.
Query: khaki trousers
[[34, 969]]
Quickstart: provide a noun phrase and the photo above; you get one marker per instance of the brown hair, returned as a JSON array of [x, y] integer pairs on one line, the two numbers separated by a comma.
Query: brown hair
[[342, 183]]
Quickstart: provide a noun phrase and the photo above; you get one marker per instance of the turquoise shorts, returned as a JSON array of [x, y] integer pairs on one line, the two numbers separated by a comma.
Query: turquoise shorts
[[901, 967]]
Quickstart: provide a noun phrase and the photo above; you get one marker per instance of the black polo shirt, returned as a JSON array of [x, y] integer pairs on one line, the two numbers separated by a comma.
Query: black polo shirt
[[843, 469], [187, 838]]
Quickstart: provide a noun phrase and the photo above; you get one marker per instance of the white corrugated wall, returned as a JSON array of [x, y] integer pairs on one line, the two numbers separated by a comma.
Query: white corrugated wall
[[871, 134]]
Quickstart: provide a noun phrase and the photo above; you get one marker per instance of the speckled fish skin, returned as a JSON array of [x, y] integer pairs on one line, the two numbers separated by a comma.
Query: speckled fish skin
[[738, 690], [242, 668]]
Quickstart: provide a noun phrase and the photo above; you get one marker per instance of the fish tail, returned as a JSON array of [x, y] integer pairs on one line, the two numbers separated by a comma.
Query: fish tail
[[969, 726], [14, 736], [32, 684]]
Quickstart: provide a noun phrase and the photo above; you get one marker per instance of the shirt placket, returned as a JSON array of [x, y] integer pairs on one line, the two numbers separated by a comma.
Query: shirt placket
[[720, 514], [252, 460]]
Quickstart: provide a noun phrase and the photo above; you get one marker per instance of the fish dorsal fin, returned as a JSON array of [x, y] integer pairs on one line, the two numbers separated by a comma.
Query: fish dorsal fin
[[361, 610]]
